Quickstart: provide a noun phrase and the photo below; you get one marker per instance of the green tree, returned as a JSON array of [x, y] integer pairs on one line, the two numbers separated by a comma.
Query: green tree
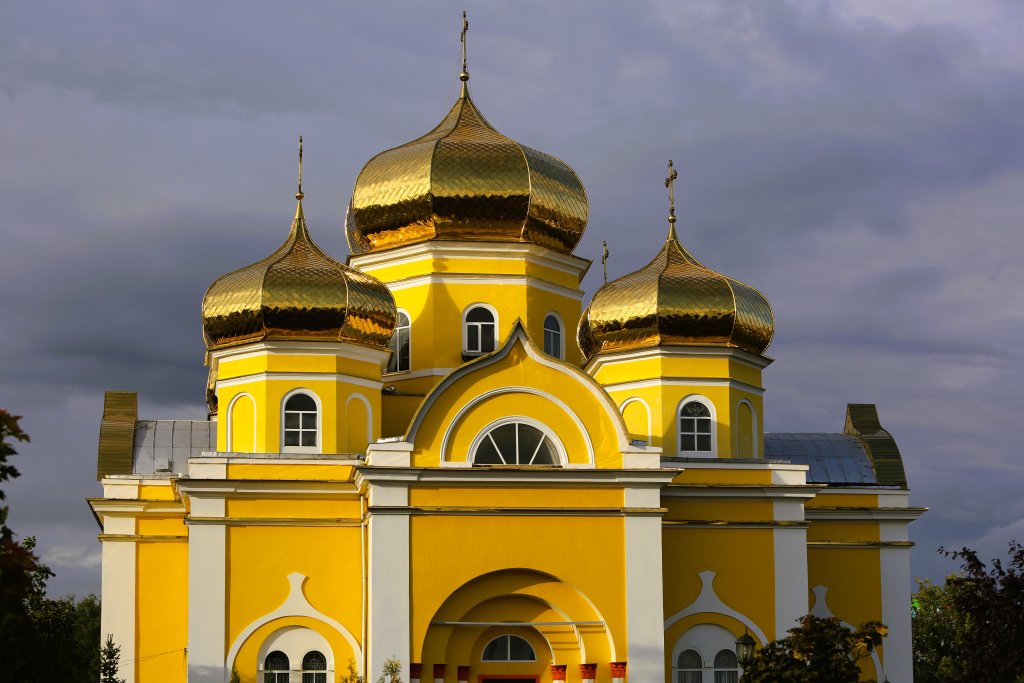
[[940, 631], [992, 599], [816, 651], [17, 562], [392, 671], [352, 676], [110, 661]]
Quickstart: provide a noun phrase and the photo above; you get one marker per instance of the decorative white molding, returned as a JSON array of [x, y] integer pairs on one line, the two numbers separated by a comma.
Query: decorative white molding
[[231, 418], [709, 602], [684, 382], [300, 377], [485, 251], [295, 605], [614, 357], [299, 348], [647, 408], [483, 280]]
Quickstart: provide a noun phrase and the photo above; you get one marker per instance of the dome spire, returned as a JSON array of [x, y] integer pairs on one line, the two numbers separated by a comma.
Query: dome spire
[[670, 183], [299, 224], [464, 76]]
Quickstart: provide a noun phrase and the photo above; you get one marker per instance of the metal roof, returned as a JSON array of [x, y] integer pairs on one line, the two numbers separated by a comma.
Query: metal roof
[[833, 458], [163, 447]]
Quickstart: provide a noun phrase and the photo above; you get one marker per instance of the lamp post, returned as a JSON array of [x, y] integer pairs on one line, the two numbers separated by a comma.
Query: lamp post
[[745, 649]]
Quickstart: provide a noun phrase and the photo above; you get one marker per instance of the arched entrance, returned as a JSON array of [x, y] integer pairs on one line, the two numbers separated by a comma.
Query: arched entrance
[[511, 626]]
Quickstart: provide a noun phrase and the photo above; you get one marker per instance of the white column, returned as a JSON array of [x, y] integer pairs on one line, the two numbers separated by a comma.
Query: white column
[[207, 579], [790, 549], [117, 616], [895, 570], [645, 613], [388, 530]]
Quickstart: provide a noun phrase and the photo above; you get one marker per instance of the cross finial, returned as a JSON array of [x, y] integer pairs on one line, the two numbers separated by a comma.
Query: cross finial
[[464, 76], [299, 195], [670, 183], [604, 259]]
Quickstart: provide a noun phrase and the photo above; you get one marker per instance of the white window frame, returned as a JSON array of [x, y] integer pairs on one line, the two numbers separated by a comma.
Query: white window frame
[[716, 669], [676, 670], [561, 334], [560, 456], [706, 402], [465, 329], [394, 352], [319, 423]]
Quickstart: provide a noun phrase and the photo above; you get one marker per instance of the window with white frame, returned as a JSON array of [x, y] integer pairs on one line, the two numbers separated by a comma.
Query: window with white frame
[[695, 425], [553, 336], [275, 667], [515, 443], [690, 667], [314, 667], [481, 331], [726, 667], [399, 361], [300, 422], [509, 648]]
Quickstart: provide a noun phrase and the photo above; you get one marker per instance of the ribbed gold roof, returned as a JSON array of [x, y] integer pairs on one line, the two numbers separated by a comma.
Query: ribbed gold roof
[[672, 300], [466, 181], [298, 293]]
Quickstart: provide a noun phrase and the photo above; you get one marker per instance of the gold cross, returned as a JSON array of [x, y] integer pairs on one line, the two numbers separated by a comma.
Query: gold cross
[[604, 260], [465, 29], [670, 183], [299, 195]]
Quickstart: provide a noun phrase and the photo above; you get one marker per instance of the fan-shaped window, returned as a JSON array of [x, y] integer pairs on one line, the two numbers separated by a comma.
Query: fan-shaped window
[[515, 443], [300, 422], [314, 668], [509, 648], [275, 667], [480, 332], [695, 428], [726, 667], [399, 361], [690, 667], [553, 336]]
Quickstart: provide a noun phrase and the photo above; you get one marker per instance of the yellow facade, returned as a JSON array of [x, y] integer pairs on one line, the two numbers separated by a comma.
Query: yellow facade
[[480, 499]]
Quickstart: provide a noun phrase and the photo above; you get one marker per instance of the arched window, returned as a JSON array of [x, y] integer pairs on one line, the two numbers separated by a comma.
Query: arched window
[[300, 422], [515, 443], [509, 648], [275, 667], [314, 668], [480, 332], [690, 666], [726, 667], [553, 336], [399, 361], [695, 425]]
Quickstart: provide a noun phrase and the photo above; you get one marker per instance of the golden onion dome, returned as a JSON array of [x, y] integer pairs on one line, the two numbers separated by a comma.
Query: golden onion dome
[[466, 181], [298, 293], [675, 300]]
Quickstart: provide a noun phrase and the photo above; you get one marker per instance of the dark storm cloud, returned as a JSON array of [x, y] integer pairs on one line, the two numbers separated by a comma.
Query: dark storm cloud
[[865, 171]]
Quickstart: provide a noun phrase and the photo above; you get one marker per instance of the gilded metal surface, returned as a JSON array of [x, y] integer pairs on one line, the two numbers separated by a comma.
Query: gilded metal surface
[[298, 292], [862, 422], [466, 181], [674, 299], [117, 433]]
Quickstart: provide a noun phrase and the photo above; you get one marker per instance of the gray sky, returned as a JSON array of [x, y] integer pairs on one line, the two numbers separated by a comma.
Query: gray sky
[[860, 162]]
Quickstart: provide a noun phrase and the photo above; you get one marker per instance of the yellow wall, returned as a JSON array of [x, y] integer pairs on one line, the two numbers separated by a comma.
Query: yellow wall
[[162, 611]]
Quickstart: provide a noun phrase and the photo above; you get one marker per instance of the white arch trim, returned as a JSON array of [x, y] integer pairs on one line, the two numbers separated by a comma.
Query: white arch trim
[[295, 642], [519, 335], [707, 640], [707, 403], [445, 460], [319, 422], [369, 414], [231, 419], [637, 399], [822, 611], [709, 602], [295, 605], [497, 326], [753, 426]]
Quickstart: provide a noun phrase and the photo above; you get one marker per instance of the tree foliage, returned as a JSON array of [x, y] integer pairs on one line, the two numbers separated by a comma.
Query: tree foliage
[[816, 651], [940, 630], [110, 661], [392, 671], [991, 598]]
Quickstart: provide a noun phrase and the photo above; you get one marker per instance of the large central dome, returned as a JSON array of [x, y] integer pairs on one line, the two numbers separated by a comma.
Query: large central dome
[[466, 181]]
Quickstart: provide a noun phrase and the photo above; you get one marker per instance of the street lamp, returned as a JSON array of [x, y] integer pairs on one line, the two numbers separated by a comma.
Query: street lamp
[[745, 649]]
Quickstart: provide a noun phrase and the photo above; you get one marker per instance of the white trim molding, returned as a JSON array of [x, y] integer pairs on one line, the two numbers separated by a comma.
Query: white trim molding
[[560, 454], [709, 602], [231, 419], [319, 423], [647, 408], [684, 382], [300, 377]]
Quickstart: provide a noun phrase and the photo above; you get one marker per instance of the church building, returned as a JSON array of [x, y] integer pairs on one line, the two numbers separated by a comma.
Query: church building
[[436, 454]]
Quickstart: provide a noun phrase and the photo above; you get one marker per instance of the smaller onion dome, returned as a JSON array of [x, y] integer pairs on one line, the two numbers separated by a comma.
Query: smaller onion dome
[[298, 293], [675, 300]]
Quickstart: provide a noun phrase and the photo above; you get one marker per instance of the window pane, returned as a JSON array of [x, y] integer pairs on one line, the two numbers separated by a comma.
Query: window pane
[[727, 677], [479, 315], [694, 409], [308, 438], [689, 677], [487, 332], [690, 659], [473, 338], [703, 426], [689, 443], [300, 402], [725, 659], [314, 661], [276, 661], [529, 440], [545, 455], [496, 650], [505, 438], [309, 420], [291, 420], [403, 320], [520, 650], [688, 425], [703, 442], [291, 438], [486, 454]]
